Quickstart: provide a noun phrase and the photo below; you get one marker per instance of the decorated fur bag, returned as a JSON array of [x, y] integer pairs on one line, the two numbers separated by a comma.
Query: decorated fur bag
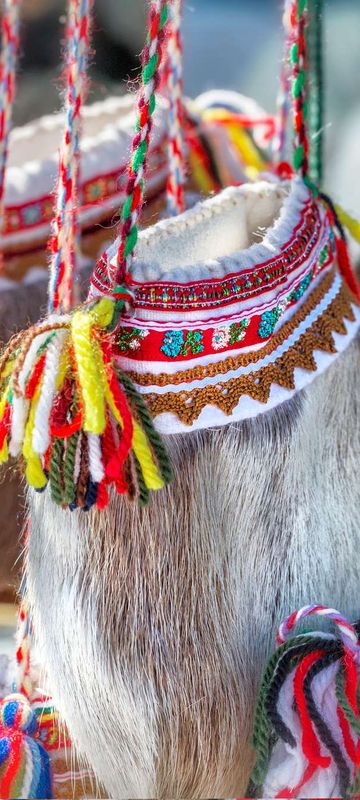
[[193, 324]]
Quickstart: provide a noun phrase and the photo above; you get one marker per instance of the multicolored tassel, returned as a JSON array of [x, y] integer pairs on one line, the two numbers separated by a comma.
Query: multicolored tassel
[[307, 721], [24, 763], [75, 417]]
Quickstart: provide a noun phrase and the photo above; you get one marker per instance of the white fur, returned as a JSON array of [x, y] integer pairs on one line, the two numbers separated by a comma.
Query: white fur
[[155, 625]]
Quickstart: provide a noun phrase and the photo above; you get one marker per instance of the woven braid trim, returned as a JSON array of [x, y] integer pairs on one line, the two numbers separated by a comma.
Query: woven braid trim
[[242, 360], [188, 405]]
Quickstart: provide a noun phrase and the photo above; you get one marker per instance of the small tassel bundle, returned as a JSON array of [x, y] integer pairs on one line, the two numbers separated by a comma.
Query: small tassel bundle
[[75, 417], [24, 763], [307, 721]]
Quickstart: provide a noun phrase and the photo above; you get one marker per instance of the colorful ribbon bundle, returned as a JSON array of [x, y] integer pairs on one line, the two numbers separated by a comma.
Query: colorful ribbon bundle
[[307, 721], [76, 417], [65, 406]]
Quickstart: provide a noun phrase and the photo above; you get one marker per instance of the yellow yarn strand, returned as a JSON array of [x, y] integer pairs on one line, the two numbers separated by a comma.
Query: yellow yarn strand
[[35, 475], [64, 365], [242, 142], [152, 478], [4, 452], [91, 389], [349, 222], [201, 177]]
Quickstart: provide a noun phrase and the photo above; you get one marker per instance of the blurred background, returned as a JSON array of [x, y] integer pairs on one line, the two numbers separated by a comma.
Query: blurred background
[[227, 44], [235, 44]]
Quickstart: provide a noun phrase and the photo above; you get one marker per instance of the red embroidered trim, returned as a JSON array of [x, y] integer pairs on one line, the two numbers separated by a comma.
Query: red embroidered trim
[[244, 284], [183, 344], [37, 212]]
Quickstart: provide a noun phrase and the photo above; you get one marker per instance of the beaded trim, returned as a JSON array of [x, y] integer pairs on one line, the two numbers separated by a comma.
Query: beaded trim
[[244, 284], [296, 350], [169, 343]]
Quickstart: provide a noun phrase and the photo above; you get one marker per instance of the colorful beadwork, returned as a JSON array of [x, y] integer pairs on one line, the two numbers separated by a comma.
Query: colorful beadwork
[[241, 285], [268, 322], [175, 343], [130, 339], [230, 334]]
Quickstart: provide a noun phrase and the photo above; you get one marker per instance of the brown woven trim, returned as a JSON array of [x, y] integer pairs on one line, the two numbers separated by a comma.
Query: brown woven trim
[[188, 405], [234, 362]]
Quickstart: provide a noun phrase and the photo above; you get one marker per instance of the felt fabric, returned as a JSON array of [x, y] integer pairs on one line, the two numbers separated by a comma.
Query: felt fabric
[[227, 298]]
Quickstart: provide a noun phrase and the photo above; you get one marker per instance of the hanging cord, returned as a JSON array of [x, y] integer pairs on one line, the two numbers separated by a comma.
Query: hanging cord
[[25, 769], [151, 62], [283, 102], [316, 90], [298, 62], [176, 153], [8, 62], [64, 239]]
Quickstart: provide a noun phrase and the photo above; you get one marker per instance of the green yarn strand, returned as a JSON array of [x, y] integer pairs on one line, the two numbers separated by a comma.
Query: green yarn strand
[[264, 737], [55, 475], [150, 68], [302, 5], [137, 402], [69, 467], [316, 90], [144, 494], [299, 84], [353, 721], [131, 240]]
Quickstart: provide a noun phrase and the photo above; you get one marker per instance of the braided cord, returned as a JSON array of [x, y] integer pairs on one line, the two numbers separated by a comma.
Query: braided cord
[[151, 61], [282, 102], [63, 243], [23, 682], [299, 17], [176, 154], [316, 90], [8, 62]]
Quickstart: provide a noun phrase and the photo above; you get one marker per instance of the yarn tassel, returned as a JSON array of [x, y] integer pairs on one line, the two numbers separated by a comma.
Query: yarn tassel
[[25, 769], [81, 417], [307, 722], [24, 763]]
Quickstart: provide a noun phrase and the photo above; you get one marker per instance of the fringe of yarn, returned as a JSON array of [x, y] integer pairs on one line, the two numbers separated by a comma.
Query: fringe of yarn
[[8, 62], [64, 243], [73, 415], [176, 152], [151, 62], [307, 721]]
